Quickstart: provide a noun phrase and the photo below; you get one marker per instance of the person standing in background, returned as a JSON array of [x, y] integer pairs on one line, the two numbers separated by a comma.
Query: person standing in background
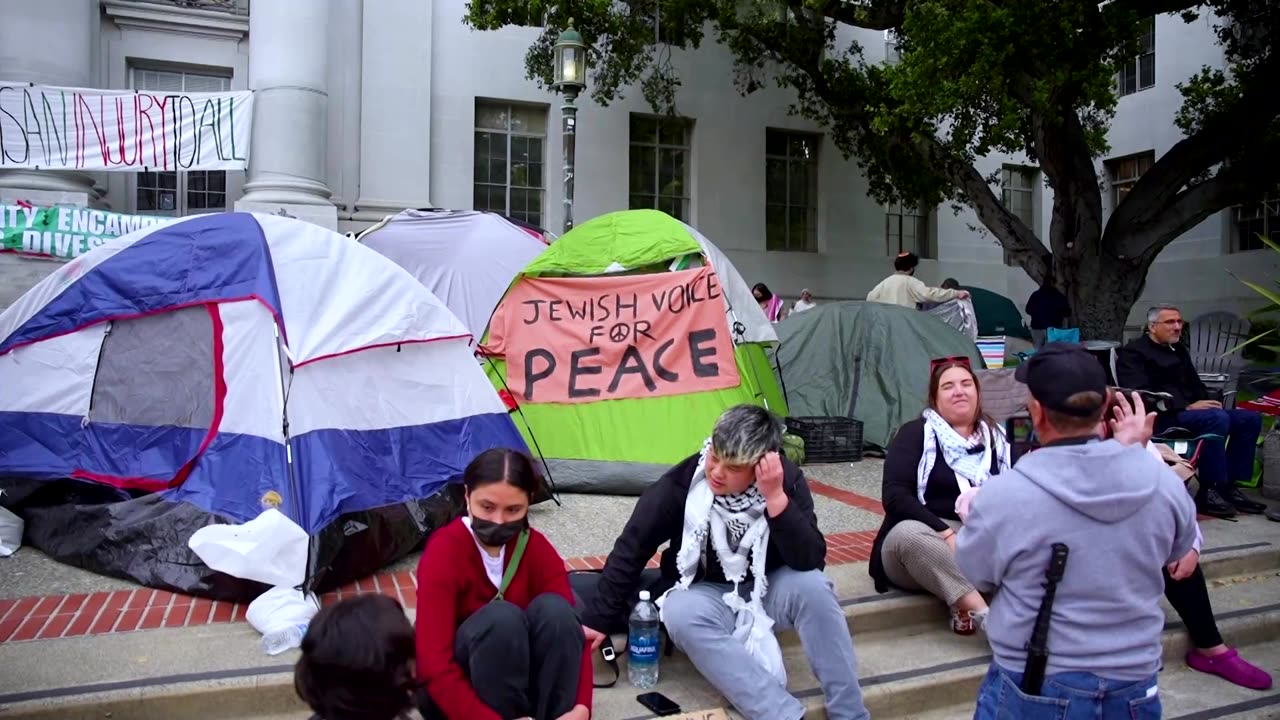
[[805, 302], [903, 288], [774, 307], [1048, 308]]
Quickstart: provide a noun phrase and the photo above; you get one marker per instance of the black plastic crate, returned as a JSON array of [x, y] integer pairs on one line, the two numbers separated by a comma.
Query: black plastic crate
[[828, 439]]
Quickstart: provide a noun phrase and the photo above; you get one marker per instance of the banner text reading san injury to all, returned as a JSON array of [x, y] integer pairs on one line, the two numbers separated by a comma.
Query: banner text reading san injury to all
[[64, 233], [57, 128]]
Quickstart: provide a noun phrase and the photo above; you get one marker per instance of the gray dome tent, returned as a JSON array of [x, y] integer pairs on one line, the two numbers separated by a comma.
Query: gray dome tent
[[863, 359]]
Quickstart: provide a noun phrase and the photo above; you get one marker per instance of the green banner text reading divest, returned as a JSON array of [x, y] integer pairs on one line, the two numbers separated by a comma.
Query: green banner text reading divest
[[64, 232]]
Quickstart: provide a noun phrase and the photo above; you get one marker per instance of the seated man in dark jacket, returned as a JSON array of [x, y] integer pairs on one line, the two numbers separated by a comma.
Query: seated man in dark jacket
[[737, 513], [1157, 362]]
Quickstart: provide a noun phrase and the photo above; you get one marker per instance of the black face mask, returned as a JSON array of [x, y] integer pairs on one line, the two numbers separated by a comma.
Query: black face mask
[[497, 534]]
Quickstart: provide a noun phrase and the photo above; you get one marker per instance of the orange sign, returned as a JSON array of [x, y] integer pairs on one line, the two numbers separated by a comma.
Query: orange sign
[[572, 340]]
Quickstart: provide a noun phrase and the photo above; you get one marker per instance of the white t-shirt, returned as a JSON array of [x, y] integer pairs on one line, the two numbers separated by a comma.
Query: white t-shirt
[[802, 305], [492, 565]]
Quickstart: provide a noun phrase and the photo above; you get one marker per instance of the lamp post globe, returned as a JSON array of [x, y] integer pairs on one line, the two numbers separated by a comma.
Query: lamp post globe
[[570, 79]]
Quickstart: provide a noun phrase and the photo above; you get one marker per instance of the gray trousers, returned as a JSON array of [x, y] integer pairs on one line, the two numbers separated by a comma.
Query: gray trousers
[[701, 625]]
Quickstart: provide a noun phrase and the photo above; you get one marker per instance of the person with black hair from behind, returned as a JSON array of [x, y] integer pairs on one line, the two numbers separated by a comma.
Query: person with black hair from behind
[[357, 661], [497, 636]]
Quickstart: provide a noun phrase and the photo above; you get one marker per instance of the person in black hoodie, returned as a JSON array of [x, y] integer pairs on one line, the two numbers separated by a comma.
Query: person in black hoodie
[[746, 555], [1047, 308], [1159, 362]]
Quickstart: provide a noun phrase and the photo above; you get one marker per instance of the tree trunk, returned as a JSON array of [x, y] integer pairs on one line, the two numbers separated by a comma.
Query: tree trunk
[[1102, 291]]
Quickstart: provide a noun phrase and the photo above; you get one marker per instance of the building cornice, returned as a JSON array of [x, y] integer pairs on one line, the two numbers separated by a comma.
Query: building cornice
[[163, 17]]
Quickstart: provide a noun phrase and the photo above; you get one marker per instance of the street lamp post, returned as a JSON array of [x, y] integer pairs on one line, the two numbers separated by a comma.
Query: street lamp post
[[570, 80]]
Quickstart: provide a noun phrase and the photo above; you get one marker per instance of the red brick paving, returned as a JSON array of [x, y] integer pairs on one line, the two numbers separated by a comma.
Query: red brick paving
[[62, 616]]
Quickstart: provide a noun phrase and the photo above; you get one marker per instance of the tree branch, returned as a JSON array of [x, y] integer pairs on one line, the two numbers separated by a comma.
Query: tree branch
[[874, 16], [1147, 8]]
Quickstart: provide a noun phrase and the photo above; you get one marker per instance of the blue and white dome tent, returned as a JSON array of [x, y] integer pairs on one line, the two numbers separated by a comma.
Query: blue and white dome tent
[[205, 370]]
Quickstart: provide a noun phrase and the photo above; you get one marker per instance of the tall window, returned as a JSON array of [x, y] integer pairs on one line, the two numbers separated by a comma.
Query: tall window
[[1125, 173], [1254, 221], [509, 157], [660, 164], [1017, 193], [791, 191], [186, 192], [906, 229], [1140, 72]]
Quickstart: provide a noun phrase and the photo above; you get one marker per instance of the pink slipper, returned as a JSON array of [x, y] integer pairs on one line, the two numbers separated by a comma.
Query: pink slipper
[[1232, 668]]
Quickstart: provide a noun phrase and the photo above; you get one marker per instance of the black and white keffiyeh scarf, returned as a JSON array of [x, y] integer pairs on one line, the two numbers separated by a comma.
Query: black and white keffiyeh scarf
[[969, 458], [738, 530]]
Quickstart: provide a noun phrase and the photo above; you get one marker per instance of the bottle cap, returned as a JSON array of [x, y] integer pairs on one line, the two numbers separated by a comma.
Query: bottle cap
[[644, 595]]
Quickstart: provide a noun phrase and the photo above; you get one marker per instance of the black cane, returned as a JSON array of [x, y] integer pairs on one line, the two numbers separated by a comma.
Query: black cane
[[1038, 648]]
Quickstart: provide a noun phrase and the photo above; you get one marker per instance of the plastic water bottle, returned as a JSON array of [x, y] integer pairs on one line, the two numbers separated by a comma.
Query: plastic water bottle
[[286, 638], [642, 644]]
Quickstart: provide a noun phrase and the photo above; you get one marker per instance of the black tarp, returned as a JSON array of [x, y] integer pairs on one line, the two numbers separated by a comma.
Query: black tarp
[[144, 538]]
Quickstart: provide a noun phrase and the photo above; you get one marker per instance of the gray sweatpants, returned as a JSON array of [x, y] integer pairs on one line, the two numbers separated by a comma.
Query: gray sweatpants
[[701, 625]]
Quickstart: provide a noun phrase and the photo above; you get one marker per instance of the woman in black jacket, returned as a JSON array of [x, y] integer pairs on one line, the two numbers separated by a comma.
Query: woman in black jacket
[[930, 463]]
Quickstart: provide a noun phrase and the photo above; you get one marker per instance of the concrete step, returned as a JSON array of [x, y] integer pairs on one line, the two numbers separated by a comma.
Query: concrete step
[[911, 665]]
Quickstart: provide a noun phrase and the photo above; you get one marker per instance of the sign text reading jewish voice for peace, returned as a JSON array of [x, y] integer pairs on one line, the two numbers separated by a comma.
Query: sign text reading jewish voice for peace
[[53, 128], [585, 339]]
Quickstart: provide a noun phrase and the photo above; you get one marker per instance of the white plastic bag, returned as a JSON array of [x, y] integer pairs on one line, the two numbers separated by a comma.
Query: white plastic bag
[[282, 614], [10, 533], [270, 549]]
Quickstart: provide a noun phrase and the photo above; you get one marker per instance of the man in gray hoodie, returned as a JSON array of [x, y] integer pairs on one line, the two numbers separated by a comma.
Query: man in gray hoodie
[[1121, 519]]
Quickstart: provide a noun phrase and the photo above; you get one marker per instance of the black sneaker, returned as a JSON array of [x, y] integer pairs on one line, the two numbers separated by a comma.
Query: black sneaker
[[1273, 515], [1241, 501], [1211, 503]]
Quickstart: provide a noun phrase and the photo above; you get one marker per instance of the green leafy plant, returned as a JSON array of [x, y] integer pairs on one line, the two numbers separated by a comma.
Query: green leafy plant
[[1264, 318]]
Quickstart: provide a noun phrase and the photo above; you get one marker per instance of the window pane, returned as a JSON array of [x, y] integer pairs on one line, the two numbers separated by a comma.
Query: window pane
[[146, 200], [530, 120], [217, 181], [798, 185], [775, 143], [1147, 71], [672, 132], [644, 169], [775, 223], [671, 172], [644, 129], [775, 181], [801, 147], [643, 202], [798, 228], [491, 116]]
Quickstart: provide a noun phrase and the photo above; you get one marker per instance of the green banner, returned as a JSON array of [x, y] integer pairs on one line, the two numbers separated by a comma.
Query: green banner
[[64, 233]]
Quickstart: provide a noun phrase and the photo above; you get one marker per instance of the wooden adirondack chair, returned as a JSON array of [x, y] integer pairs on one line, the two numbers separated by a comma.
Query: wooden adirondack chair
[[1211, 336]]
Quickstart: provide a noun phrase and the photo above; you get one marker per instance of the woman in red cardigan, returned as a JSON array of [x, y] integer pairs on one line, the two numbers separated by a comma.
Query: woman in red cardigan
[[496, 632]]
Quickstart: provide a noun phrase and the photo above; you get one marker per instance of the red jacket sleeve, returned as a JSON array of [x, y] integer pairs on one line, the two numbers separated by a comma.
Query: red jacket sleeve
[[552, 577], [437, 619]]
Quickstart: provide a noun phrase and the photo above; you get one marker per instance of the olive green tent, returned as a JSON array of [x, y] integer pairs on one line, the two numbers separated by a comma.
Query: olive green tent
[[621, 446], [997, 314], [865, 360]]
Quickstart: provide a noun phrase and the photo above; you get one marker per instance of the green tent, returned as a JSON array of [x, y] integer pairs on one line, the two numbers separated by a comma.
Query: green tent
[[621, 446], [997, 314], [865, 360]]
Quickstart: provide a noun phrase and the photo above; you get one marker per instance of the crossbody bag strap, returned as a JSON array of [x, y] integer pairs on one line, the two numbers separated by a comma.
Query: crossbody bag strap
[[521, 543]]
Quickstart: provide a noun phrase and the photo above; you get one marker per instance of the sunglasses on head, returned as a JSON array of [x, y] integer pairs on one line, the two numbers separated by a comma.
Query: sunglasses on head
[[936, 363]]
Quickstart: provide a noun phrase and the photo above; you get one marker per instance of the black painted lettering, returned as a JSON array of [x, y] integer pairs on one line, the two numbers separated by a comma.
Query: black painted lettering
[[596, 331], [642, 327], [659, 369], [633, 305], [530, 376], [535, 305], [553, 310], [576, 368], [632, 364], [697, 338]]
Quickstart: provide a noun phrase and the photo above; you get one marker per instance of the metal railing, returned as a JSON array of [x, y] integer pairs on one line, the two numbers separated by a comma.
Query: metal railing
[[232, 7]]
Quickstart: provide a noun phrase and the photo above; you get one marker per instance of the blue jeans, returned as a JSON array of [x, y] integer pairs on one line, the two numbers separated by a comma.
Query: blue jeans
[[1221, 465], [1066, 696]]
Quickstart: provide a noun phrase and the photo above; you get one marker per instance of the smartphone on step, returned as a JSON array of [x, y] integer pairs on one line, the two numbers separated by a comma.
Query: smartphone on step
[[658, 704]]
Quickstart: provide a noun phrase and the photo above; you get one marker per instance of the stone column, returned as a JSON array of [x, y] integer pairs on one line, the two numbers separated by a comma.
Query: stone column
[[395, 108], [288, 72], [49, 42]]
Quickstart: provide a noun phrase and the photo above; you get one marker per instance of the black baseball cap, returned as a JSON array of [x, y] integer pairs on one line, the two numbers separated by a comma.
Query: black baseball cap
[[1059, 370]]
